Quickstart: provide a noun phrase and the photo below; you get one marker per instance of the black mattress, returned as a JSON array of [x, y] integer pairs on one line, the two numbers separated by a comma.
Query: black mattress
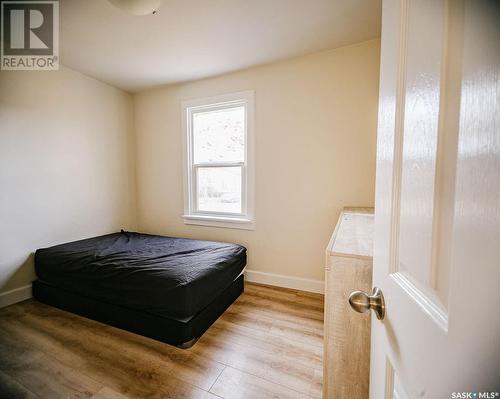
[[162, 276]]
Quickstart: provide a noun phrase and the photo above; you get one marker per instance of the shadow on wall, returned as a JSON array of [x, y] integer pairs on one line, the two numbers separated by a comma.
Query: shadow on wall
[[18, 278]]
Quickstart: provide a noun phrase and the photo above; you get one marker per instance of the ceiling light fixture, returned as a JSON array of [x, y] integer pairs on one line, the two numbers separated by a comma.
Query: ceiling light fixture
[[137, 7]]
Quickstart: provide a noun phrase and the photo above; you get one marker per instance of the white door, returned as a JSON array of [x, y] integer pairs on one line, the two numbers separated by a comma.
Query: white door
[[437, 220]]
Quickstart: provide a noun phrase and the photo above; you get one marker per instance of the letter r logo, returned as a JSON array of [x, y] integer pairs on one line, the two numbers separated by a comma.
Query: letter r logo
[[27, 28]]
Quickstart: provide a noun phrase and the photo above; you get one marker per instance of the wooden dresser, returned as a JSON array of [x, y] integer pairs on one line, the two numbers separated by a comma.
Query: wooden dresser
[[347, 333]]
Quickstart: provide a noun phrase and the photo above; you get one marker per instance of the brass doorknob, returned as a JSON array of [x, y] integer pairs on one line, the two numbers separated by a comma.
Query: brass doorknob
[[361, 302]]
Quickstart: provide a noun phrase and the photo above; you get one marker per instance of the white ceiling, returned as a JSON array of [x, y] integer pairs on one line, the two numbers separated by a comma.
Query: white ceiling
[[192, 39]]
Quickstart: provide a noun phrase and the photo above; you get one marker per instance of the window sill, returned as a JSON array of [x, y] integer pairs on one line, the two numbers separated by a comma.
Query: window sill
[[219, 221]]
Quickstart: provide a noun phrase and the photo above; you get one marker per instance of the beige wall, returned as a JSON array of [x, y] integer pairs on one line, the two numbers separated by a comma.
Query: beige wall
[[66, 164], [314, 150]]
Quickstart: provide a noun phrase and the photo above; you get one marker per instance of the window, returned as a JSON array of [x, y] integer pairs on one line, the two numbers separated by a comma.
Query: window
[[218, 136]]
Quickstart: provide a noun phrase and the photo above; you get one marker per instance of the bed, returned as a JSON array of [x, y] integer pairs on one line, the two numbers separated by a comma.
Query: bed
[[166, 288]]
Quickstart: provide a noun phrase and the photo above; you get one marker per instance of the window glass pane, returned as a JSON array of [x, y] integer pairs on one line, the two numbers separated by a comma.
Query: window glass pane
[[219, 136], [219, 189]]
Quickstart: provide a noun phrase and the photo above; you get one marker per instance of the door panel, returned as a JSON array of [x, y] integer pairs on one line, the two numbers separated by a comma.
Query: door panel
[[421, 54]]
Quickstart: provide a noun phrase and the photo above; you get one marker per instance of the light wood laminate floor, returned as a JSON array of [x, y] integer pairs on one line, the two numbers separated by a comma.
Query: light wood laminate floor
[[268, 344]]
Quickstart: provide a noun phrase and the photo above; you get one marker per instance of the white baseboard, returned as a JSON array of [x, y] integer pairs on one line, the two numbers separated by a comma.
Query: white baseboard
[[279, 280], [15, 295]]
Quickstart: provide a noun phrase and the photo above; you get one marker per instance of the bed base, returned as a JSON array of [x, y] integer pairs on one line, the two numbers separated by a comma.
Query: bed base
[[179, 332]]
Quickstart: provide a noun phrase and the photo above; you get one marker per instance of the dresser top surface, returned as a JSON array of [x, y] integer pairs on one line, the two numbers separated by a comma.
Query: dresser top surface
[[353, 235]]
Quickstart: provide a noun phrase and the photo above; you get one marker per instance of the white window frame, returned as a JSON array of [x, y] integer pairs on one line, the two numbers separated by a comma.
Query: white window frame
[[245, 220]]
